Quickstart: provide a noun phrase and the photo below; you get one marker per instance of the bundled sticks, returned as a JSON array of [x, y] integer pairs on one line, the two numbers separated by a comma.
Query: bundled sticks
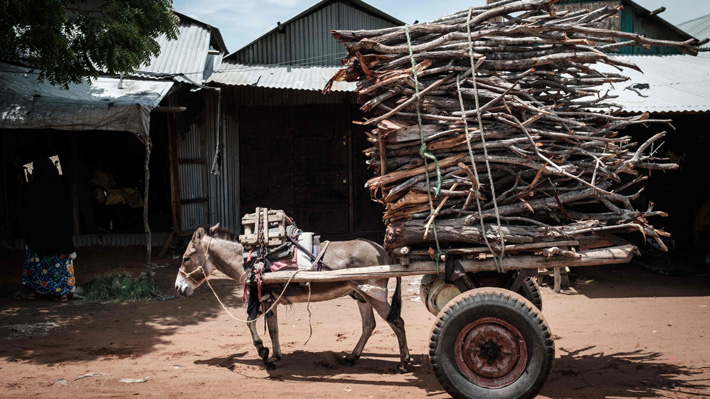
[[490, 126]]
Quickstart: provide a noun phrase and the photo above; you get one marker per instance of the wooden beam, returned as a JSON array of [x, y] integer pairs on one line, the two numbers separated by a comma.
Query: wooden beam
[[657, 11], [592, 257], [170, 110]]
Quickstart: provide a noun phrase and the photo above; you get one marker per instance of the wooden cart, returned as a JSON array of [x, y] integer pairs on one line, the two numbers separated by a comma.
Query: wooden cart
[[490, 338]]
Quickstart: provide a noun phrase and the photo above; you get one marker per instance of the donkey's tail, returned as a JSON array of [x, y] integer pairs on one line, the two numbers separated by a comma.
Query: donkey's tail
[[396, 306]]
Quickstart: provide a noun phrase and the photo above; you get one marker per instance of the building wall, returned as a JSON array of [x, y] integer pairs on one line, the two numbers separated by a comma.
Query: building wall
[[630, 19], [307, 40], [649, 27]]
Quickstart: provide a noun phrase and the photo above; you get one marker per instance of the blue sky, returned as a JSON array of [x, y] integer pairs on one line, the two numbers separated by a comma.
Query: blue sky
[[242, 21]]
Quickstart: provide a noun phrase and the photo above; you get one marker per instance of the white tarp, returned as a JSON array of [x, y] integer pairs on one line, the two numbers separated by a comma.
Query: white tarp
[[104, 104]]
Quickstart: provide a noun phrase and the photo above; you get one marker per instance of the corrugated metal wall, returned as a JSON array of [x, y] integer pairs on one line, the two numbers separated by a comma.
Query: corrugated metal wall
[[223, 188], [307, 40], [191, 181]]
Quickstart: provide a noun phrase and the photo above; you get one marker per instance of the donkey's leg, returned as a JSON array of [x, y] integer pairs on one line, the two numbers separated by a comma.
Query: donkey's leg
[[272, 322], [259, 344], [395, 321], [368, 325]]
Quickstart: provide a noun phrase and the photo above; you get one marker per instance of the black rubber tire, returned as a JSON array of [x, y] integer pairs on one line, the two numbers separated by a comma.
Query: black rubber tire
[[504, 305], [530, 291]]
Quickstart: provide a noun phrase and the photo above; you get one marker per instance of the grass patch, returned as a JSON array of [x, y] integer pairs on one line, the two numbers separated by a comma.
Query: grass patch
[[118, 287]]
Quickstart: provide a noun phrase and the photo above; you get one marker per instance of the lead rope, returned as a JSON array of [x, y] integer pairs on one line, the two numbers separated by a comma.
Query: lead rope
[[497, 259], [200, 268], [263, 314], [424, 152]]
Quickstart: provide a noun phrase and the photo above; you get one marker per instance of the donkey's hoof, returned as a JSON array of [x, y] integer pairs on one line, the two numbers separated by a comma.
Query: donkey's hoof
[[273, 359], [402, 369], [264, 353], [268, 366], [349, 360]]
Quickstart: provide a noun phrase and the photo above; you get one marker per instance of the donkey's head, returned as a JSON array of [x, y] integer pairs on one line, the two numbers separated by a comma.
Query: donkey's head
[[196, 263]]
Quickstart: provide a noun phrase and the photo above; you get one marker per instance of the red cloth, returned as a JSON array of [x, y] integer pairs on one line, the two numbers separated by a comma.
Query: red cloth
[[285, 263]]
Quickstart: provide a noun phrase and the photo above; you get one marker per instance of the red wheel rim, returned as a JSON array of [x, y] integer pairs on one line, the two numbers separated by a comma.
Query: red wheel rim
[[491, 352]]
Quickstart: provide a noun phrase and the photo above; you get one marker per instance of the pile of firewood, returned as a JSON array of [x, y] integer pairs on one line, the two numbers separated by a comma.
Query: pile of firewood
[[521, 144]]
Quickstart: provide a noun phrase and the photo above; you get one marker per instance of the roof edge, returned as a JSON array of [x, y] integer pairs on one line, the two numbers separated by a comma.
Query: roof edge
[[214, 31], [657, 18]]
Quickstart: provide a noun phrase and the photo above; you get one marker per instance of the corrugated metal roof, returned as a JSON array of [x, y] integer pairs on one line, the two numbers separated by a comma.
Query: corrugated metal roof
[[676, 83], [279, 77], [185, 57], [698, 27], [306, 39]]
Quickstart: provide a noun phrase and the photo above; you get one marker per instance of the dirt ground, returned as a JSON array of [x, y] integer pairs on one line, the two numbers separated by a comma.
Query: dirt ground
[[637, 334]]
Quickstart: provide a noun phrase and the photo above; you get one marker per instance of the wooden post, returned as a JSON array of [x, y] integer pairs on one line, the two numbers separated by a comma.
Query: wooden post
[[148, 241], [558, 280], [174, 182], [75, 184]]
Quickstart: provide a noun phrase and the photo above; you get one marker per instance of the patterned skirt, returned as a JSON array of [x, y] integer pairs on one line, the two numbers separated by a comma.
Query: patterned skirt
[[51, 274]]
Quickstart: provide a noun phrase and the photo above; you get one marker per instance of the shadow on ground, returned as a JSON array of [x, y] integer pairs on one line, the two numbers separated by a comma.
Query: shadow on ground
[[584, 373], [327, 366], [47, 332], [634, 281], [581, 373]]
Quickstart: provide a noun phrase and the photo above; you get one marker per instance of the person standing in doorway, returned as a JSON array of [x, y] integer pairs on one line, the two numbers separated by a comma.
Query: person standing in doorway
[[49, 259]]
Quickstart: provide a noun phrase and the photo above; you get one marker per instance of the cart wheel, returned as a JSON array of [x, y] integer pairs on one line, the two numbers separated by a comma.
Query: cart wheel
[[491, 343], [530, 291]]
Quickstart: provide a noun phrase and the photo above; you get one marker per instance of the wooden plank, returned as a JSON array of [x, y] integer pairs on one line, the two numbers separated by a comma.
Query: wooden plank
[[508, 248], [599, 256], [174, 177]]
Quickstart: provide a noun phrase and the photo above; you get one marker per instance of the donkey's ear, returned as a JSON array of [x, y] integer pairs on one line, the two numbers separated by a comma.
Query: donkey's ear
[[213, 229], [199, 233]]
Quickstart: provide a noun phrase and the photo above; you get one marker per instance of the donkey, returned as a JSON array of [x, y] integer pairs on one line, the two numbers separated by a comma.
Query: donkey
[[210, 250]]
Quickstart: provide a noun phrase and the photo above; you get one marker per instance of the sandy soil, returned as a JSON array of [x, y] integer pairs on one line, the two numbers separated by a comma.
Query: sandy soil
[[636, 335]]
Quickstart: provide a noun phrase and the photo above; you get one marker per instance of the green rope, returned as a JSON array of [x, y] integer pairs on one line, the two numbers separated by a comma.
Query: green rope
[[424, 152]]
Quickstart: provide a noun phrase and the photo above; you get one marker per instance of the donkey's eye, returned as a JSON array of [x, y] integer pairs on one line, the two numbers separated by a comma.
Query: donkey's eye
[[186, 259]]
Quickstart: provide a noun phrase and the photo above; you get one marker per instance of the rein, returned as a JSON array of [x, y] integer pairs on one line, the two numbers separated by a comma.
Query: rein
[[200, 268]]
